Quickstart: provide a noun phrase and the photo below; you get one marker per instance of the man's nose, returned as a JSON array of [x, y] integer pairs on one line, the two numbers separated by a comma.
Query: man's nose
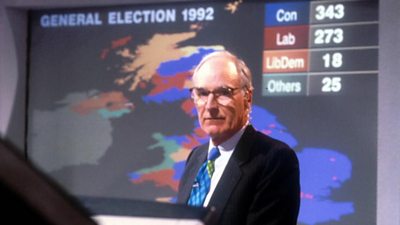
[[211, 101]]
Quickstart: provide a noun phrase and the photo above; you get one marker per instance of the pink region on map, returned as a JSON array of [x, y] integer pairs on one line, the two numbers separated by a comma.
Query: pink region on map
[[191, 143], [115, 44], [160, 178], [163, 84], [188, 106], [112, 101], [200, 132]]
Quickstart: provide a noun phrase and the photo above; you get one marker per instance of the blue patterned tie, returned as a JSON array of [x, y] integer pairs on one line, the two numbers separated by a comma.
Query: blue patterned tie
[[202, 182]]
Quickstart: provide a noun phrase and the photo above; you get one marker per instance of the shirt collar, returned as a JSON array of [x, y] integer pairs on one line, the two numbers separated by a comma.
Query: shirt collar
[[230, 144]]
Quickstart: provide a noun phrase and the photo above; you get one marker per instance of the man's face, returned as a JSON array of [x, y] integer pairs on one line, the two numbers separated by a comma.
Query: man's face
[[221, 117]]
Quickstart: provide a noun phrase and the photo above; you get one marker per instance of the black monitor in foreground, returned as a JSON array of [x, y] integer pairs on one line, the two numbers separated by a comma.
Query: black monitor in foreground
[[28, 195], [110, 211]]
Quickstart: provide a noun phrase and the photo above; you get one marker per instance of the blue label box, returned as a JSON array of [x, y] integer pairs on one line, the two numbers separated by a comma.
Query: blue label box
[[284, 14]]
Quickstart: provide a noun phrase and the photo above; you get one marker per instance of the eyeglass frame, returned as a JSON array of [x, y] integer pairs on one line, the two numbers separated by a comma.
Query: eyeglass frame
[[216, 96]]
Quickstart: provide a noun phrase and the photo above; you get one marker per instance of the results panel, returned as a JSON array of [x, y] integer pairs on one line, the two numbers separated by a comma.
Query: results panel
[[319, 48]]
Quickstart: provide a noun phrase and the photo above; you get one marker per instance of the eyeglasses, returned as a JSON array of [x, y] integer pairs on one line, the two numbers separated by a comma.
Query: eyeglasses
[[223, 95]]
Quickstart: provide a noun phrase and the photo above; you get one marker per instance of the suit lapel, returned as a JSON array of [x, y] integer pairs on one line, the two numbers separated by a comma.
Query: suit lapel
[[232, 172], [199, 158], [225, 186]]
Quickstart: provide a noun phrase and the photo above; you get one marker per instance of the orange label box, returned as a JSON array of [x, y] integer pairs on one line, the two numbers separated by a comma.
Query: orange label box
[[285, 61]]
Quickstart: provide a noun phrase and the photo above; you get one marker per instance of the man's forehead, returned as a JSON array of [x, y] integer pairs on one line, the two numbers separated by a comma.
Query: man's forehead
[[216, 66], [219, 60]]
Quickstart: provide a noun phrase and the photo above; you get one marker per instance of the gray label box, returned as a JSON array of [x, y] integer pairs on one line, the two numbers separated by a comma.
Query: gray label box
[[284, 85]]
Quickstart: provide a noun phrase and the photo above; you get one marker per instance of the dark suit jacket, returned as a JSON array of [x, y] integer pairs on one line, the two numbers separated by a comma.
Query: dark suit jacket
[[260, 184]]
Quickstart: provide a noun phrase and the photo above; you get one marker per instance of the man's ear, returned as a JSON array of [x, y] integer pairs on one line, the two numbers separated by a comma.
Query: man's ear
[[249, 96]]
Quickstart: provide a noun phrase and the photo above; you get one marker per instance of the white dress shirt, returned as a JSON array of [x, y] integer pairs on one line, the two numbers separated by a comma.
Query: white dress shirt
[[226, 149]]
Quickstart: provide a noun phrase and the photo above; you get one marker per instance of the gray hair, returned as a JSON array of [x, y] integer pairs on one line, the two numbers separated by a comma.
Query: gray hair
[[242, 69]]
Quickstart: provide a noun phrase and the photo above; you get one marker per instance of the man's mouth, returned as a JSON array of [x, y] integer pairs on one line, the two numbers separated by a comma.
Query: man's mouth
[[215, 118]]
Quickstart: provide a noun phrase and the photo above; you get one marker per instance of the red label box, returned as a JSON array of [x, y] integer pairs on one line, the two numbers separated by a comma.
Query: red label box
[[290, 37]]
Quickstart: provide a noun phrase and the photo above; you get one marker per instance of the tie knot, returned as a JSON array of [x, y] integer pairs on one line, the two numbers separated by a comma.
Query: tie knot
[[214, 153]]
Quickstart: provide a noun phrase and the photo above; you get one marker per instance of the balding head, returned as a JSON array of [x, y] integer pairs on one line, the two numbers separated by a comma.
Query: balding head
[[242, 70]]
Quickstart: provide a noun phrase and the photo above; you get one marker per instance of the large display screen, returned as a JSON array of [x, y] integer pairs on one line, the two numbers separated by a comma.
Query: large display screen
[[110, 113]]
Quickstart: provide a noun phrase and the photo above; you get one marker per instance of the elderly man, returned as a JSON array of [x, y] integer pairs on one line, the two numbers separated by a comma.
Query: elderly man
[[248, 177]]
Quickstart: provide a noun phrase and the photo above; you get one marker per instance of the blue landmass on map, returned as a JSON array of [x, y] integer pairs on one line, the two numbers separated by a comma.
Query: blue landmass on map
[[333, 169], [263, 120], [322, 170], [170, 95], [178, 168], [322, 211], [184, 64], [172, 68], [134, 176]]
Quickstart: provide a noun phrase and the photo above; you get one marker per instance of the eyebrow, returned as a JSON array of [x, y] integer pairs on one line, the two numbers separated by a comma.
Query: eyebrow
[[225, 86]]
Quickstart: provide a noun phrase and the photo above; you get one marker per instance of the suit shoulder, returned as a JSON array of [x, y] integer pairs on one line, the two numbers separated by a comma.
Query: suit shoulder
[[273, 148], [262, 139]]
